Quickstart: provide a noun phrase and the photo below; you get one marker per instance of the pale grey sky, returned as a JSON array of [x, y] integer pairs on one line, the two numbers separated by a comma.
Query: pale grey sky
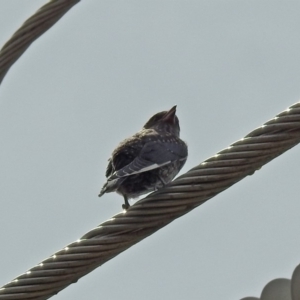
[[94, 79]]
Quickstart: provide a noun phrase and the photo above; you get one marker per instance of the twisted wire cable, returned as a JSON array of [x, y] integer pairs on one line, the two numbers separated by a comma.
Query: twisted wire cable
[[155, 211], [158, 209], [34, 27]]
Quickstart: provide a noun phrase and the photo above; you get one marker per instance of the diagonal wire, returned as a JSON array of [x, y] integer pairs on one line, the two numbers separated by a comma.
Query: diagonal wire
[[160, 208], [33, 28]]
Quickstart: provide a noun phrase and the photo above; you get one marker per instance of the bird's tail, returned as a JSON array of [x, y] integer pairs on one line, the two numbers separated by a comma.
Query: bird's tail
[[103, 190], [111, 186]]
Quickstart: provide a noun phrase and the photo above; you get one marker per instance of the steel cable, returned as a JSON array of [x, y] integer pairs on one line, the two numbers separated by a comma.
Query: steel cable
[[34, 27], [157, 210]]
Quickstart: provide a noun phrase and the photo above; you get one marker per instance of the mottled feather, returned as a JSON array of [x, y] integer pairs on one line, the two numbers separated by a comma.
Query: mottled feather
[[149, 159]]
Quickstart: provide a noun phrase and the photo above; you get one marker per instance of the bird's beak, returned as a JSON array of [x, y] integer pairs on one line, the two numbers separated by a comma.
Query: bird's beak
[[170, 115]]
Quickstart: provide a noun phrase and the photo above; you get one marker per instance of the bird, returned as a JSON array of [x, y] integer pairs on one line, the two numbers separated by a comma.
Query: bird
[[148, 160]]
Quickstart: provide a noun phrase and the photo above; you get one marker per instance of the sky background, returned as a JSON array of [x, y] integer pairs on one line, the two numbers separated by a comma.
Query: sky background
[[94, 79]]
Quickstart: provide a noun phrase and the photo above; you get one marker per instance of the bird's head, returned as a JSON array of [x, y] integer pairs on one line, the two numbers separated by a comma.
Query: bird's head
[[165, 121]]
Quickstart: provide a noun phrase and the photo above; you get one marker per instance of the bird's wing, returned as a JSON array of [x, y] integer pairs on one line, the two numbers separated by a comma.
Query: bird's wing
[[152, 156], [109, 169]]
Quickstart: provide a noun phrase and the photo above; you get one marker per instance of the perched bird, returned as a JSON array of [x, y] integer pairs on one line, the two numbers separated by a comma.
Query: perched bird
[[148, 160]]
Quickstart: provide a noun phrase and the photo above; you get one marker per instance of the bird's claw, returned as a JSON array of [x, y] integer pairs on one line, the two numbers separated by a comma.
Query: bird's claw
[[125, 206]]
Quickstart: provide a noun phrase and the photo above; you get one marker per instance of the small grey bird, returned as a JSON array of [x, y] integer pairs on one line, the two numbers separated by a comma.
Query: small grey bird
[[148, 160]]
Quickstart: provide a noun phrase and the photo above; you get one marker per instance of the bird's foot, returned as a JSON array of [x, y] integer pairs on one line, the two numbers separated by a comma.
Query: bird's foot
[[125, 206], [126, 203]]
